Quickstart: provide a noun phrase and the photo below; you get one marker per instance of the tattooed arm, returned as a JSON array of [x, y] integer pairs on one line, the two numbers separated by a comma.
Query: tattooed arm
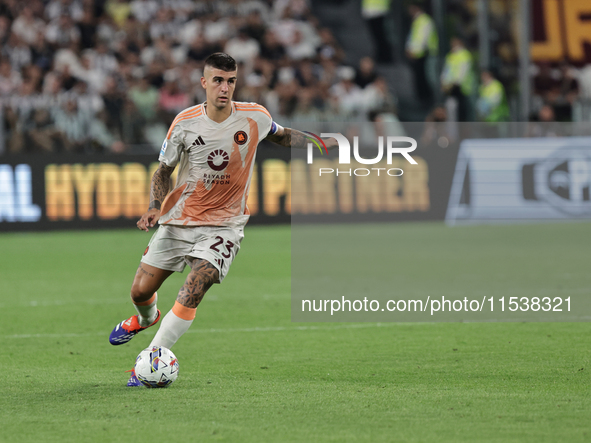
[[289, 138], [292, 138], [158, 191]]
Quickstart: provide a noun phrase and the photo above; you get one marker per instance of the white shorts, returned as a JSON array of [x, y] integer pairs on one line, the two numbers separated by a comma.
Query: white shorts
[[170, 247]]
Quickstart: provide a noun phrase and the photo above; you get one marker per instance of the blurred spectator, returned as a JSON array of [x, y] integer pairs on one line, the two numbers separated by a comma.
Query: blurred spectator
[[18, 52], [492, 101], [546, 83], [284, 97], [584, 83], [366, 73], [377, 96], [422, 46], [10, 80], [101, 59], [307, 73], [106, 30], [300, 48], [438, 130], [114, 101], [457, 78], [19, 115], [145, 98], [119, 10], [33, 74], [144, 10], [346, 94], [328, 48], [172, 100], [568, 92], [255, 26], [42, 132], [253, 90], [88, 101], [4, 28], [72, 126], [271, 48], [199, 49], [41, 53], [164, 25], [189, 32], [217, 29], [375, 13], [545, 124], [27, 27], [306, 111], [91, 74], [386, 123], [71, 8], [87, 28], [61, 32], [243, 48], [36, 134]]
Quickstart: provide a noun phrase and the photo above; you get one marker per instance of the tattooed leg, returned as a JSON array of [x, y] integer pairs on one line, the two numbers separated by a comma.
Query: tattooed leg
[[203, 274]]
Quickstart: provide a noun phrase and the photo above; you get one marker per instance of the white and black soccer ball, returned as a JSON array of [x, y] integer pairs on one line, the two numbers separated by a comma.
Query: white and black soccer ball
[[156, 367]]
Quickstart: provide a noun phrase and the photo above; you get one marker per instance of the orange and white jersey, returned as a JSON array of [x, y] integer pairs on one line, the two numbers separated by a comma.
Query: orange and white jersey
[[215, 165]]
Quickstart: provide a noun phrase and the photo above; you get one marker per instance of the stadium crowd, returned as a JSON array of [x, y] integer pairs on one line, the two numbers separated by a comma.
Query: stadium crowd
[[110, 75], [94, 75]]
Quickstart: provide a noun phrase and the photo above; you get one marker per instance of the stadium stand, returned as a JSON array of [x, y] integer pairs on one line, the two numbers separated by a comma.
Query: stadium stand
[[109, 75]]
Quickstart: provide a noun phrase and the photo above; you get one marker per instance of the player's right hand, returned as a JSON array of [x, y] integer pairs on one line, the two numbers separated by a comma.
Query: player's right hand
[[149, 219]]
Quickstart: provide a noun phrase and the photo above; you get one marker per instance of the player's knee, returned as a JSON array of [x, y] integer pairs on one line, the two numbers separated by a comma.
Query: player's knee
[[140, 291]]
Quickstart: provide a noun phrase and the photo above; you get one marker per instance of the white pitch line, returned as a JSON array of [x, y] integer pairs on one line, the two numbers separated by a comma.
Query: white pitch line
[[220, 330]]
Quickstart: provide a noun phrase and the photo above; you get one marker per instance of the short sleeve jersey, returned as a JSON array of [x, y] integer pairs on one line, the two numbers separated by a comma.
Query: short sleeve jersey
[[215, 163]]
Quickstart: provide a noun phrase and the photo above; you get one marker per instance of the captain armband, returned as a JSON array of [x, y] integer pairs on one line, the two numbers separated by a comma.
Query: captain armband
[[274, 128]]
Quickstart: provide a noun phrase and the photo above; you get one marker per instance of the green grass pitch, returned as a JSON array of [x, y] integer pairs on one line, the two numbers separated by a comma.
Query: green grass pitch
[[248, 374]]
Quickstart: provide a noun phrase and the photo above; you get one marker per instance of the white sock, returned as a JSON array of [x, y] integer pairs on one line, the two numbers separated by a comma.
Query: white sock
[[147, 313], [171, 329]]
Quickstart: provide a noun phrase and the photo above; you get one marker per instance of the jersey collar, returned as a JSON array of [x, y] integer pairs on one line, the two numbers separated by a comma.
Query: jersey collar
[[230, 117]]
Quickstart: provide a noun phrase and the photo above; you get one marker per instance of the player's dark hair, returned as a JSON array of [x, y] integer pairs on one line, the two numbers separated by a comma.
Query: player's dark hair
[[221, 60]]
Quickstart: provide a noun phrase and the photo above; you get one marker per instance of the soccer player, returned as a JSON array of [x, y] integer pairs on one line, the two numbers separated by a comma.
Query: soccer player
[[202, 219]]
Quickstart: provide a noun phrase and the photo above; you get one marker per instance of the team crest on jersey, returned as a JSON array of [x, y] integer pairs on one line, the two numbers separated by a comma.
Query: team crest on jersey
[[240, 137], [218, 160]]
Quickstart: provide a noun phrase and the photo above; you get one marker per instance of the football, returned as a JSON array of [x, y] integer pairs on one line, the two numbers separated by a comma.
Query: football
[[156, 367]]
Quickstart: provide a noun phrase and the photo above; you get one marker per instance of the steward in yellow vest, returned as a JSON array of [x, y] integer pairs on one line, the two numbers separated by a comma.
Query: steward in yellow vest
[[492, 101], [422, 46]]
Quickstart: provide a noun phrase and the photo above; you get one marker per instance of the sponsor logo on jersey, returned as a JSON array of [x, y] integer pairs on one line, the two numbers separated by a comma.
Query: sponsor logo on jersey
[[198, 142], [218, 159], [240, 137], [216, 179], [163, 150], [146, 251]]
